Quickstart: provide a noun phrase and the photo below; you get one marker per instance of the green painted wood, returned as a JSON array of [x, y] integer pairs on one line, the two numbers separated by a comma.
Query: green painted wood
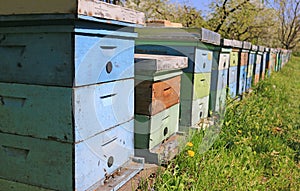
[[201, 85], [194, 85], [150, 131], [7, 185], [37, 162], [36, 111]]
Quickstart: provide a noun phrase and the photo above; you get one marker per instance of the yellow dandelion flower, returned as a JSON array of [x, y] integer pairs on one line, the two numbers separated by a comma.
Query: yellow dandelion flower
[[191, 153], [240, 131], [189, 144]]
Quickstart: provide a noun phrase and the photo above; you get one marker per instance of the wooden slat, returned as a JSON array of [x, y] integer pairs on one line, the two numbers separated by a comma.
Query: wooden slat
[[95, 8]]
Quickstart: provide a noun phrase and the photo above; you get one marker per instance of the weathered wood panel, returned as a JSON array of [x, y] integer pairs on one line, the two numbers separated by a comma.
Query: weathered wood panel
[[93, 8], [149, 63], [203, 61], [150, 131], [192, 111], [232, 74], [201, 85], [217, 100], [232, 89], [37, 111], [224, 60], [164, 94], [36, 58], [102, 106], [7, 185], [102, 59], [242, 77], [219, 79], [234, 58], [37, 162], [100, 156], [244, 58], [248, 83]]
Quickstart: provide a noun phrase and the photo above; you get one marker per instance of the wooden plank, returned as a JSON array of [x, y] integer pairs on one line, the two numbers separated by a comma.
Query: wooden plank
[[102, 106], [20, 63], [164, 94], [152, 130], [102, 59], [37, 162], [149, 63], [95, 8], [13, 186], [244, 58], [192, 111], [37, 111]]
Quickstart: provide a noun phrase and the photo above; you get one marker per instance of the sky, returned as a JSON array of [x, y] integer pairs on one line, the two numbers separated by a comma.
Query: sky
[[202, 5]]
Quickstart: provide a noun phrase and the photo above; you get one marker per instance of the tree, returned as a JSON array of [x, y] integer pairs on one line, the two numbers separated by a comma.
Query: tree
[[289, 18]]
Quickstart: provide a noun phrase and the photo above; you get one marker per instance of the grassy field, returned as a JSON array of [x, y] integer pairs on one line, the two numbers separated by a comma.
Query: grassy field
[[257, 147]]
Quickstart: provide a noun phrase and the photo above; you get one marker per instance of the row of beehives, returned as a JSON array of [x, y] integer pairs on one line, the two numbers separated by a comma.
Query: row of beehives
[[68, 93]]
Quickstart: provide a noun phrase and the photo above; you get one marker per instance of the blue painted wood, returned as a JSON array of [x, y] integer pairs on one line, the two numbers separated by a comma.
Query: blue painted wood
[[264, 64], [257, 69], [43, 163], [232, 74], [102, 106], [242, 79], [232, 89], [103, 154], [203, 61], [248, 83], [47, 54], [217, 101], [36, 111], [94, 56], [219, 79]]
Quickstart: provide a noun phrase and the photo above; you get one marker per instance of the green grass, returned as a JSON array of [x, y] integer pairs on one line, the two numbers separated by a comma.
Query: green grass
[[257, 148]]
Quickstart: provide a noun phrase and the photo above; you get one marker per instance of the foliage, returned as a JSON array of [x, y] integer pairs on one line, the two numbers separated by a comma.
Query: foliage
[[258, 147]]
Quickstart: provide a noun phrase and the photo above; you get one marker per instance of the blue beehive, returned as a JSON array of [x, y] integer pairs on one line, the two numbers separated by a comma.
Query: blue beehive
[[242, 69], [250, 69], [67, 100]]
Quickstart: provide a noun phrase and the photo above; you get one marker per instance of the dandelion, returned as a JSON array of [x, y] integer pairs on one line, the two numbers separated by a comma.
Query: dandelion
[[189, 144], [240, 131], [191, 153]]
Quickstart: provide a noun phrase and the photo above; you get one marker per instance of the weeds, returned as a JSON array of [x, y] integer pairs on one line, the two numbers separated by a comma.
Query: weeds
[[258, 146]]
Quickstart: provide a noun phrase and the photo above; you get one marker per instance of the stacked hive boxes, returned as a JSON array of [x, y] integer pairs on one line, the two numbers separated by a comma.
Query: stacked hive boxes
[[258, 64], [267, 56], [263, 64], [251, 63], [242, 69], [220, 77], [197, 45], [157, 95], [66, 95], [233, 67]]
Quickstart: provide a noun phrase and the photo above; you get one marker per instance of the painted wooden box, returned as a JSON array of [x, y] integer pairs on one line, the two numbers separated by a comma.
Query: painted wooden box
[[242, 77], [199, 60], [95, 8], [71, 52], [196, 44], [256, 79], [217, 100], [149, 131], [234, 57], [152, 97], [219, 79], [192, 111], [244, 58], [263, 66], [224, 60], [47, 112], [62, 166], [232, 91], [248, 83], [195, 86]]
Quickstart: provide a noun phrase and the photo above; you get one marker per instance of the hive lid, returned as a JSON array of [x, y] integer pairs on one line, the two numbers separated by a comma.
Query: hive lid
[[179, 34], [93, 8], [254, 47], [150, 63], [267, 49], [226, 42], [237, 43], [246, 45], [261, 48]]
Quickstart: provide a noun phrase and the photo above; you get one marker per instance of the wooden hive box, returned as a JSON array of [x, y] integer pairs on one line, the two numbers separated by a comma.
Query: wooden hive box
[[94, 8], [157, 82]]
